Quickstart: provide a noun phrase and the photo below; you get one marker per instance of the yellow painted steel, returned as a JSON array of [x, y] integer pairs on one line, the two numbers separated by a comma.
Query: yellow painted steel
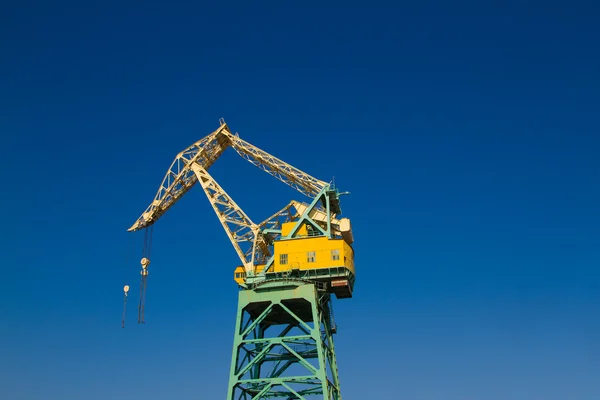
[[239, 275], [312, 253], [286, 228], [304, 252]]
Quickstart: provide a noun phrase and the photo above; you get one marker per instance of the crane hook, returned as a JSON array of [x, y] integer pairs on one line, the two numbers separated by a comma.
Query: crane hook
[[125, 291], [144, 272]]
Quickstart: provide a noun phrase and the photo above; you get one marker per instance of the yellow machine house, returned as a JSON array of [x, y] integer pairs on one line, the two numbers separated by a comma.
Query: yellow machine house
[[317, 258]]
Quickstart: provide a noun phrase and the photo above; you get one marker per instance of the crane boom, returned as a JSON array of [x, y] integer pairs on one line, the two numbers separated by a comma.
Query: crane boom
[[180, 177], [251, 246], [238, 226], [281, 170]]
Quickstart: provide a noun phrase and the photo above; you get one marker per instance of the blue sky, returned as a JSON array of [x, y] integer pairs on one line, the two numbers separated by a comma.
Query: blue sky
[[467, 134]]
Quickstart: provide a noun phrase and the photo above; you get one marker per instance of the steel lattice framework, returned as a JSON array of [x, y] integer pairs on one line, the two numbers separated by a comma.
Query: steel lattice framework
[[252, 247], [181, 177], [192, 164], [283, 342], [283, 345], [281, 170]]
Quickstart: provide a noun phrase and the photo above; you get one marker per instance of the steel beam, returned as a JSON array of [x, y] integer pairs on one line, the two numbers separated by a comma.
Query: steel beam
[[283, 345]]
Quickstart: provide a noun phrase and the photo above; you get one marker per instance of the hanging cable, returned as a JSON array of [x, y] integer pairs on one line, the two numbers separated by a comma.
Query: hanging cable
[[144, 273], [149, 249], [145, 247]]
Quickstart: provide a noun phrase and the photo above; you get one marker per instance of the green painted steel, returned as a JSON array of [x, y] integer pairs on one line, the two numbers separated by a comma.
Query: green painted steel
[[283, 344], [325, 198], [304, 218]]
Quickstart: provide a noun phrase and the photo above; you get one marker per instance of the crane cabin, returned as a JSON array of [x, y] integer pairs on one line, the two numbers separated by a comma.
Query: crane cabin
[[310, 256]]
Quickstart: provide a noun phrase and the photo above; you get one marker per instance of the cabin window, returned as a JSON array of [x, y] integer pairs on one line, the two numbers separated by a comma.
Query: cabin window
[[237, 274], [335, 254], [311, 256], [283, 259]]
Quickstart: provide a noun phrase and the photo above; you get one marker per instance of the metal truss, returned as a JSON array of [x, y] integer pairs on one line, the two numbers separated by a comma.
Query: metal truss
[[283, 346], [253, 248], [180, 177], [238, 226], [281, 170], [318, 216], [270, 228]]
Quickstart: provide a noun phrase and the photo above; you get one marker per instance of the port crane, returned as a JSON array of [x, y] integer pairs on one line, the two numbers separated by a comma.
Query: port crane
[[291, 264]]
